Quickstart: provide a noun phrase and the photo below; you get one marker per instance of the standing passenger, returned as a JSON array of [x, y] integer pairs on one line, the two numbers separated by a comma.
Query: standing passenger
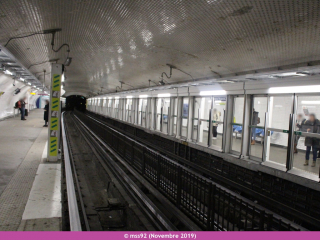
[[299, 123], [216, 118], [255, 122], [311, 126], [23, 108], [46, 113]]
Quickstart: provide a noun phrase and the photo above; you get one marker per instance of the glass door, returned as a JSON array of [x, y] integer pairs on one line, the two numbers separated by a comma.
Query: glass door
[[257, 126], [175, 116], [278, 129], [184, 117], [142, 112], [158, 114], [307, 137], [218, 111], [165, 111], [128, 110], [116, 108], [238, 106], [202, 106], [195, 120]]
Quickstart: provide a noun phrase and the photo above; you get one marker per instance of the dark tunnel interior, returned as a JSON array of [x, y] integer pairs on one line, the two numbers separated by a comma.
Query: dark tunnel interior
[[76, 102]]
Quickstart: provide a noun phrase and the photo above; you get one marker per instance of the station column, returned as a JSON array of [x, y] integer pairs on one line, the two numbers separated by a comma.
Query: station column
[[54, 113]]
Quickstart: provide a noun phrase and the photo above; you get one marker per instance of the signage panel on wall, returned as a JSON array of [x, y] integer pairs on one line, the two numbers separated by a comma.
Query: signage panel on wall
[[54, 112]]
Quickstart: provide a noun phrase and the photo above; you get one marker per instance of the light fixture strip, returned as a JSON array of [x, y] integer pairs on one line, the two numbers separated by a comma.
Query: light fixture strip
[[213, 93]]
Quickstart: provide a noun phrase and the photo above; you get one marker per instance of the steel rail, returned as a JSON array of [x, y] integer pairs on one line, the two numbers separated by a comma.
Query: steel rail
[[74, 218], [209, 180], [85, 218], [153, 212], [200, 169]]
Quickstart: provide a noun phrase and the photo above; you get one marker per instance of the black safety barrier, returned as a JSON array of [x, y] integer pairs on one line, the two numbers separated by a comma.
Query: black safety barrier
[[269, 190], [212, 206]]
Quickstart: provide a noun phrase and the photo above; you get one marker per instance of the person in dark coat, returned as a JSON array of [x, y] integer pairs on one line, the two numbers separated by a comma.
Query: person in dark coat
[[46, 113], [311, 126], [23, 108], [255, 122]]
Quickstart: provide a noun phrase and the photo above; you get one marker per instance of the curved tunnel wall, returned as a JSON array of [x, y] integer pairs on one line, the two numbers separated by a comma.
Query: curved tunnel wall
[[8, 99]]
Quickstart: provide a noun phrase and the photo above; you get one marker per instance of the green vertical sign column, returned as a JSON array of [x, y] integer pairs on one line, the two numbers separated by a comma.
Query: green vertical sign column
[[54, 112]]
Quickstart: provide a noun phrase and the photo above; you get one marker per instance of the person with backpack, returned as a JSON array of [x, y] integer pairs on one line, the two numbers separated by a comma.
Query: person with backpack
[[23, 108], [18, 105]]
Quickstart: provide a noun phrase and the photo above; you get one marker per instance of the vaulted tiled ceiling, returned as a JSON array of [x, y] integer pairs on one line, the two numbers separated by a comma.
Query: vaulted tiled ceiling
[[132, 40]]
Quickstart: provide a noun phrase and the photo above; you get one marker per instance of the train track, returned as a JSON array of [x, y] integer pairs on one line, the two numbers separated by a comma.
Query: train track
[[130, 203], [232, 178], [209, 205]]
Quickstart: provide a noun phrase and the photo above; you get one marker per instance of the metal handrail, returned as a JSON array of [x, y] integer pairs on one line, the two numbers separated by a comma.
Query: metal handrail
[[74, 218], [307, 134], [256, 126], [277, 130]]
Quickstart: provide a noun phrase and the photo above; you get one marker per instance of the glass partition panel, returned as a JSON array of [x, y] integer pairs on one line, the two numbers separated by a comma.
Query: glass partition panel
[[128, 110], [184, 117], [238, 104], [175, 115], [110, 107], [257, 124], [165, 108], [142, 112], [158, 113], [196, 120], [277, 140], [219, 105], [116, 108], [307, 146], [202, 106]]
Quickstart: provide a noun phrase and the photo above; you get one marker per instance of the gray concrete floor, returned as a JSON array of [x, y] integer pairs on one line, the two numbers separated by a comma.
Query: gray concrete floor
[[16, 138]]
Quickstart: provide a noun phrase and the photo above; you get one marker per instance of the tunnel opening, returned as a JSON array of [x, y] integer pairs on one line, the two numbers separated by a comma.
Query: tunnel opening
[[76, 102]]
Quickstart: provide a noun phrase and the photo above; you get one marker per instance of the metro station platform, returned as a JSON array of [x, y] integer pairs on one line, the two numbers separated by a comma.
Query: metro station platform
[[30, 187]]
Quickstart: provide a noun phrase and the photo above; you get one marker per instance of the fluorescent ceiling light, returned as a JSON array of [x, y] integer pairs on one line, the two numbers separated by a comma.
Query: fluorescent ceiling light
[[116, 97], [8, 72], [164, 95], [295, 89], [22, 79], [211, 93], [29, 83], [310, 102], [129, 96], [143, 96], [288, 74], [110, 97]]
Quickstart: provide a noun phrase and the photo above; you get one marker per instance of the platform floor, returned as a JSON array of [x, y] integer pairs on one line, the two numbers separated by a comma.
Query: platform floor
[[22, 145]]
